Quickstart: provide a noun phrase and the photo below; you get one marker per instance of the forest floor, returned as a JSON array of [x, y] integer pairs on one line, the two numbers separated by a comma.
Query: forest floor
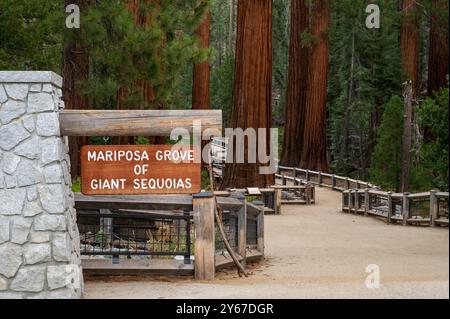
[[315, 252]]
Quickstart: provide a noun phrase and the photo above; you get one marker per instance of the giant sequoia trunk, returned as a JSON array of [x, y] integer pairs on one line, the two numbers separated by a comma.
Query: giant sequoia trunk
[[252, 86], [314, 150], [438, 53], [75, 70], [200, 85], [296, 86], [409, 43]]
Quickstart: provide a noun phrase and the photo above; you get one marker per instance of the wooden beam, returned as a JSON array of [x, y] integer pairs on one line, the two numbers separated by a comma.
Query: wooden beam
[[135, 122]]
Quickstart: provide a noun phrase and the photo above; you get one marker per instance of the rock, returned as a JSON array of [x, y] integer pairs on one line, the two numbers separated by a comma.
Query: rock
[[10, 295], [53, 174], [3, 96], [51, 150], [30, 279], [36, 88], [11, 259], [53, 198], [10, 181], [12, 134], [9, 163], [39, 237], [58, 276], [4, 229], [29, 149], [61, 247], [12, 201], [17, 91], [20, 229], [28, 123], [32, 209], [47, 88], [47, 124], [11, 110], [50, 222], [3, 284], [40, 102], [32, 193], [36, 253], [28, 173]]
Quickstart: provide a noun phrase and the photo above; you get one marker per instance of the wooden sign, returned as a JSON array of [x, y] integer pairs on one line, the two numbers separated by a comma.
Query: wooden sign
[[139, 169]]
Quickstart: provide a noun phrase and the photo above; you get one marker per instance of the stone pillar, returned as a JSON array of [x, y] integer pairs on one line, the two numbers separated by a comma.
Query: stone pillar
[[39, 239]]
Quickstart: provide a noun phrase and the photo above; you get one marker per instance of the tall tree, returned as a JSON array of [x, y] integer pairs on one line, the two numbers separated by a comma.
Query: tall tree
[[314, 150], [296, 85], [75, 71], [252, 86], [201, 77], [409, 43], [438, 47]]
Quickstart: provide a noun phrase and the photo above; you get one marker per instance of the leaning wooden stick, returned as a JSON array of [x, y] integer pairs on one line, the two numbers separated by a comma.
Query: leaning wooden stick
[[218, 214]]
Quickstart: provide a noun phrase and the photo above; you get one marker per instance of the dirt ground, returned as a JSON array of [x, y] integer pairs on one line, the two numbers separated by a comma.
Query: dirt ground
[[315, 252]]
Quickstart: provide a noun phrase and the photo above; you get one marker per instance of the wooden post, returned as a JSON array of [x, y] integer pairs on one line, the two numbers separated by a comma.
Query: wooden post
[[405, 208], [308, 194], [356, 201], [434, 207], [203, 207], [357, 184], [307, 175], [260, 227], [389, 207], [277, 201], [347, 183], [283, 180], [343, 200], [366, 201], [350, 206], [294, 172], [242, 226], [333, 181], [320, 178]]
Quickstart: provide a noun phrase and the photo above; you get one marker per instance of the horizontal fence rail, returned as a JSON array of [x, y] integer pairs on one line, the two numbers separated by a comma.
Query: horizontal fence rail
[[136, 122]]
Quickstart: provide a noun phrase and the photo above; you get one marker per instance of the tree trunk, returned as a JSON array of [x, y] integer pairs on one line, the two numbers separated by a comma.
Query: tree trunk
[[409, 43], [75, 70], [314, 151], [200, 85], [296, 86], [252, 86], [407, 136], [438, 52]]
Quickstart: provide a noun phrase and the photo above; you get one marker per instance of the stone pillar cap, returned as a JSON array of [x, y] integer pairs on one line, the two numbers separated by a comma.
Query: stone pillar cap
[[31, 77]]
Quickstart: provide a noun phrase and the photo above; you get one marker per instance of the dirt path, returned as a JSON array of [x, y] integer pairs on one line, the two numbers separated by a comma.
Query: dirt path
[[316, 252]]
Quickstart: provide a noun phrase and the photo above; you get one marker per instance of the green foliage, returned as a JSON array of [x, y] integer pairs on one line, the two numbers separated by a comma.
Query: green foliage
[[434, 154], [386, 161], [30, 36], [222, 87]]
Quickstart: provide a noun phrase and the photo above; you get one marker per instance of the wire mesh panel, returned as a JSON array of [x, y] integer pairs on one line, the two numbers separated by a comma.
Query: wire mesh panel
[[419, 207], [252, 232], [230, 225], [443, 207], [378, 204], [131, 234], [397, 208]]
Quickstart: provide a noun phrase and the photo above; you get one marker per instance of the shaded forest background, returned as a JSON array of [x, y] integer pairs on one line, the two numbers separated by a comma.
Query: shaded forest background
[[336, 89]]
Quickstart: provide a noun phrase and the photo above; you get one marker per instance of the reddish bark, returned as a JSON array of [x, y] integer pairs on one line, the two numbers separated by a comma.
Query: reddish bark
[[314, 150], [296, 86], [252, 86]]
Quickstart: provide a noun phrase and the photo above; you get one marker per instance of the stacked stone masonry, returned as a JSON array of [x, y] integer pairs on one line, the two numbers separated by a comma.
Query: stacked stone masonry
[[39, 239]]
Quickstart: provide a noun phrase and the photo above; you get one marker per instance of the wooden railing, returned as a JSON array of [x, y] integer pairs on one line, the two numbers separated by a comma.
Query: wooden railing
[[427, 208]]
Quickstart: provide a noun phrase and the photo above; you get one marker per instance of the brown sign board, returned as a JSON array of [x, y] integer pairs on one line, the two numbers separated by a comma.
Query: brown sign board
[[139, 169]]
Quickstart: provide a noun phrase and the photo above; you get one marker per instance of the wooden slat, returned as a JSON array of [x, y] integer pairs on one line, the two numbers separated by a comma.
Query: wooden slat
[[135, 122]]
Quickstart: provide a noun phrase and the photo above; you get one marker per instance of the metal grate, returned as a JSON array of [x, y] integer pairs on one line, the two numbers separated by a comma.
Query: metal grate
[[252, 232], [135, 234], [230, 224]]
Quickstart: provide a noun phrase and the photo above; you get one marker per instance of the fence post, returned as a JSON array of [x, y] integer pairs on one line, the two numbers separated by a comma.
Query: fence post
[[405, 208], [356, 201], [242, 226], [308, 194], [283, 180], [389, 207], [347, 183], [307, 175], [320, 178], [366, 201], [277, 200], [434, 207], [333, 181], [204, 206], [350, 206], [260, 226], [294, 172]]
